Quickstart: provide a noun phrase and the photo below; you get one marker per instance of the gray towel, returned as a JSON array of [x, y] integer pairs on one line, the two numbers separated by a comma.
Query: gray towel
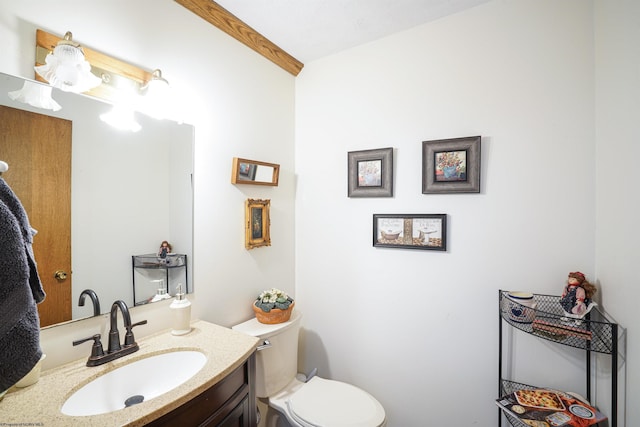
[[19, 285], [13, 203]]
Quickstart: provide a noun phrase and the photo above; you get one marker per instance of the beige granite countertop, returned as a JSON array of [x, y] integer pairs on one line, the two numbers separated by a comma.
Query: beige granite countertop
[[39, 404]]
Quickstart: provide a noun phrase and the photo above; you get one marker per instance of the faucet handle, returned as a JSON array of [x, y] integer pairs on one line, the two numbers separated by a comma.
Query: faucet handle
[[128, 337], [96, 349]]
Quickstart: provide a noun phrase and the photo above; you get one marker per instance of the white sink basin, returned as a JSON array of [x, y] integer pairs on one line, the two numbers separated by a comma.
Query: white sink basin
[[135, 382]]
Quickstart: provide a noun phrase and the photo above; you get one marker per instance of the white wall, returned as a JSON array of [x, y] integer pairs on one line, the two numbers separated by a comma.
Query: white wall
[[240, 104], [618, 199], [418, 329]]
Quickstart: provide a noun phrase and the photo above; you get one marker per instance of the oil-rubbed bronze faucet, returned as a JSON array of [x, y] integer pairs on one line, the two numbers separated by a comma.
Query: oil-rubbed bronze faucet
[[94, 300], [114, 350]]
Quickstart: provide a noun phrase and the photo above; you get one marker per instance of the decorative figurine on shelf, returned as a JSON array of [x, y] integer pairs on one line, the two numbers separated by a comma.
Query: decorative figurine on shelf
[[165, 249], [576, 298]]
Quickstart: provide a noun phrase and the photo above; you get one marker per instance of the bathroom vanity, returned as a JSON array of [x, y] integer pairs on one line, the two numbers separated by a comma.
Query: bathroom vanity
[[230, 402], [221, 393]]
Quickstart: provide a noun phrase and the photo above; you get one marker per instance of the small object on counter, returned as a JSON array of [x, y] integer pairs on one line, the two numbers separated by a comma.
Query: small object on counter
[[161, 291], [33, 376], [161, 294], [181, 308]]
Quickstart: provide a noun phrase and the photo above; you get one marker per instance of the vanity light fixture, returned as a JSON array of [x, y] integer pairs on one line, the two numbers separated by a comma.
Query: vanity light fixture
[[121, 117], [67, 69], [35, 94], [128, 87], [156, 99], [116, 75]]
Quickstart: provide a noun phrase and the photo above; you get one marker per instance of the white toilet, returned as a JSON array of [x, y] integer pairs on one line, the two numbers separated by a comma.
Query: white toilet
[[315, 403]]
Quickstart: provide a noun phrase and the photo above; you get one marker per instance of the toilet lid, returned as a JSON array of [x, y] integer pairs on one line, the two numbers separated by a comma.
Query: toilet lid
[[322, 402]]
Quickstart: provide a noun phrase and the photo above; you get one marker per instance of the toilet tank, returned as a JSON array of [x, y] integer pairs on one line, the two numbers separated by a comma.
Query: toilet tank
[[276, 364]]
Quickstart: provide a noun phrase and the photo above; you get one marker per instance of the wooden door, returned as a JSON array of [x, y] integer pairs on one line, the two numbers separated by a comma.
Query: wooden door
[[38, 151]]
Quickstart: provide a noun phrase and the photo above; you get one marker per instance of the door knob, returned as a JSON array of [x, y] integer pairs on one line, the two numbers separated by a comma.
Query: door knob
[[60, 275]]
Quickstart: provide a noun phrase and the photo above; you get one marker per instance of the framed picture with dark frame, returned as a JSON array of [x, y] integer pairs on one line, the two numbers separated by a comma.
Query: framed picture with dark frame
[[370, 173], [257, 223], [451, 165], [409, 231]]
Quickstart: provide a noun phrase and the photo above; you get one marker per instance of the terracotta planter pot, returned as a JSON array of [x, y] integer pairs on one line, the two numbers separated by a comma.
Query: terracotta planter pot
[[274, 316]]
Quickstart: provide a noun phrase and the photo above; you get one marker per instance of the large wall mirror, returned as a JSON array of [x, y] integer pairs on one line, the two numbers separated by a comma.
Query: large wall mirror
[[129, 191]]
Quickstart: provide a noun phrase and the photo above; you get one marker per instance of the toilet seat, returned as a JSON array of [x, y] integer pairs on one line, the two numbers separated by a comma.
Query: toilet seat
[[321, 402]]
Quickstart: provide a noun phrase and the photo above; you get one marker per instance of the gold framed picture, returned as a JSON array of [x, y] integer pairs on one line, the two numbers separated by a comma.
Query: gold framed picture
[[257, 223]]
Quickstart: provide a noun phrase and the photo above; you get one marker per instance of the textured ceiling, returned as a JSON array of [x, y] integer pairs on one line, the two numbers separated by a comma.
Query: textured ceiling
[[311, 29]]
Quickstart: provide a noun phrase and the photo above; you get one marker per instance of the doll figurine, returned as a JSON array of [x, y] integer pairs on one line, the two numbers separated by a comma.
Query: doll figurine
[[165, 248], [576, 298]]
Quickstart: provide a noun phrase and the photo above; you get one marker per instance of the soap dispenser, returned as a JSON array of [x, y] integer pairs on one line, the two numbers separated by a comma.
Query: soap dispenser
[[181, 308]]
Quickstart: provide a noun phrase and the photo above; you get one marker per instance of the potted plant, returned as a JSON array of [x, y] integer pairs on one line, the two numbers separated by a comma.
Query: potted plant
[[273, 306]]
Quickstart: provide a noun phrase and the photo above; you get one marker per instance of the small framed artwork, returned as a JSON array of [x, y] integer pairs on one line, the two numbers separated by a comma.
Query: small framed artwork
[[451, 165], [370, 173], [257, 223], [247, 171], [421, 231]]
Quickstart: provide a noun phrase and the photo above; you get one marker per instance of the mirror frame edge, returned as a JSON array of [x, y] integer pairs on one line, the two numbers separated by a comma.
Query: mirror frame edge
[[235, 171]]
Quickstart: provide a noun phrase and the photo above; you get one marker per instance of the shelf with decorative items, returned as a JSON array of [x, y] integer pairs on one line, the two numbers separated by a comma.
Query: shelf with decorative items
[[273, 306], [545, 317], [157, 277]]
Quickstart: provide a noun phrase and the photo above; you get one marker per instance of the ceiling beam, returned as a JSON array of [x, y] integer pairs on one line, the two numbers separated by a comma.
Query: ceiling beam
[[215, 14]]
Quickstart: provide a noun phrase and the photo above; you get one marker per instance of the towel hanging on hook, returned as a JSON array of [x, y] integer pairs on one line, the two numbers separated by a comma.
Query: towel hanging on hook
[[3, 167]]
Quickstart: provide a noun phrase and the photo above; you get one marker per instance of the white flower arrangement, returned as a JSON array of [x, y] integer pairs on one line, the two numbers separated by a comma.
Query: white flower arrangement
[[273, 298]]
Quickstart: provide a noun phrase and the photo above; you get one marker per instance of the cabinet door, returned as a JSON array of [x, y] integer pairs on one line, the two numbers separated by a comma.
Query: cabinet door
[[228, 403], [239, 417]]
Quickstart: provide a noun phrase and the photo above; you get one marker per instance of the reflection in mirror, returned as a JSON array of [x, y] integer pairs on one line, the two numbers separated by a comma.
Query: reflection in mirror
[[128, 192], [244, 171]]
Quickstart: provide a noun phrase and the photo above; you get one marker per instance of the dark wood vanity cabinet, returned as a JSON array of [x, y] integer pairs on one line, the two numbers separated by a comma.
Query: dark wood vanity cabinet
[[230, 402]]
